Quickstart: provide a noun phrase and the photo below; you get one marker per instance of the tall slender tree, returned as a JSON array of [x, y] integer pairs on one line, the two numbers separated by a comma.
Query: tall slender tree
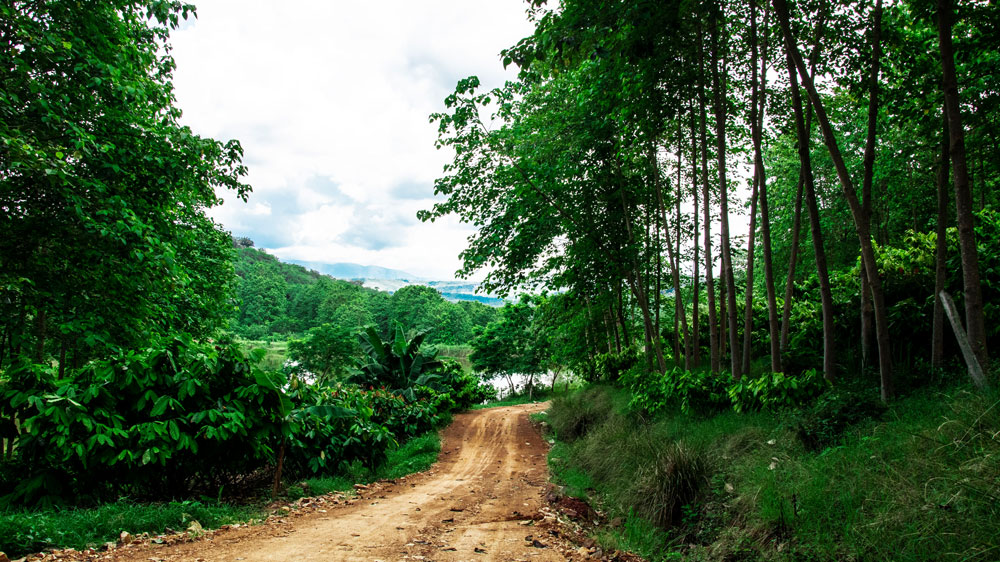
[[975, 323]]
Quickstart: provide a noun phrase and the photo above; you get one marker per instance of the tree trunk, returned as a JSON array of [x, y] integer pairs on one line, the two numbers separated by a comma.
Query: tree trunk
[[622, 322], [976, 372], [723, 318], [713, 320], [610, 320], [765, 215], [639, 292], [862, 226], [695, 297], [657, 300], [793, 259], [748, 301], [673, 260], [941, 248], [276, 485], [974, 319], [679, 297], [41, 328], [803, 127], [869, 172], [719, 81]]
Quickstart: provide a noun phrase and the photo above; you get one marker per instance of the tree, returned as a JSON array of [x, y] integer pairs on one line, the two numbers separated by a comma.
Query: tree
[[262, 299], [326, 351], [974, 319], [861, 221], [510, 345], [103, 233]]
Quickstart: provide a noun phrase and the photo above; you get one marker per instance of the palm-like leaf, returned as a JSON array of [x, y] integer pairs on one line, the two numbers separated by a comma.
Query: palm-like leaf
[[396, 363]]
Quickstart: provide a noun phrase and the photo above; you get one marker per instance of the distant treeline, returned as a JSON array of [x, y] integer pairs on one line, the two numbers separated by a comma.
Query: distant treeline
[[277, 299]]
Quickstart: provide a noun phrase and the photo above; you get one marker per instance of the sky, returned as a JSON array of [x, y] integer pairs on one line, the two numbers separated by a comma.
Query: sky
[[330, 100]]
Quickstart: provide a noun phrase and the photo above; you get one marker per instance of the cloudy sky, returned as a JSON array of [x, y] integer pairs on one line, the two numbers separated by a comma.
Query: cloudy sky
[[330, 100]]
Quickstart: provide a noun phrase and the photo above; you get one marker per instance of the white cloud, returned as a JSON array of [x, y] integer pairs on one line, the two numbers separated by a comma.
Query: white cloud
[[330, 100]]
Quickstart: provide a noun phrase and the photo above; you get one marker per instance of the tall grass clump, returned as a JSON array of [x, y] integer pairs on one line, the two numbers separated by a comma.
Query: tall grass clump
[[673, 481], [573, 415]]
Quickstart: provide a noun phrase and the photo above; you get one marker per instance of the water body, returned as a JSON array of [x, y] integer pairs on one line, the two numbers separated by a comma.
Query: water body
[[502, 384]]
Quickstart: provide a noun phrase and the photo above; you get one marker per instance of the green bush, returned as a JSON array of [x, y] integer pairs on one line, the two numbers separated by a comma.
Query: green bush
[[465, 389], [609, 367], [823, 422], [688, 391], [334, 426], [205, 411], [775, 391]]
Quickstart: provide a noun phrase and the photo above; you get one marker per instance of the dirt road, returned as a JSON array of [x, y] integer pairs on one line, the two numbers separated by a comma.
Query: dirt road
[[474, 504]]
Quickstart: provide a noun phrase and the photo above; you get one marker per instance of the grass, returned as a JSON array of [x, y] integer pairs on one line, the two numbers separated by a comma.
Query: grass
[[26, 531], [23, 532], [922, 483]]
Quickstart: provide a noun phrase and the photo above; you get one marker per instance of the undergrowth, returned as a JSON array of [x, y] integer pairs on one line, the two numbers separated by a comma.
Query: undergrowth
[[920, 481], [26, 531]]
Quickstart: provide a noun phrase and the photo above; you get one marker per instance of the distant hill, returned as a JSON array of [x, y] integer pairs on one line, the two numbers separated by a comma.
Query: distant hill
[[391, 280], [351, 271]]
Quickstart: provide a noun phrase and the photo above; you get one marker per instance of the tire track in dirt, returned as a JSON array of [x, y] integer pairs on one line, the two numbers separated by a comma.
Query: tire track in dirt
[[490, 478]]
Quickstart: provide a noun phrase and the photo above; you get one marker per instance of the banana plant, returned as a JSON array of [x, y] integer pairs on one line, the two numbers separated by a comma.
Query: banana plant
[[397, 363]]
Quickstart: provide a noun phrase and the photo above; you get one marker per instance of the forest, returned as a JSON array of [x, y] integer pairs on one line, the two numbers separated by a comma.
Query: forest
[[852, 319], [758, 240]]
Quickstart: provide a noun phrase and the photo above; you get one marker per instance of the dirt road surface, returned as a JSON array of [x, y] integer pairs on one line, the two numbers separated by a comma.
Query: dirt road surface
[[484, 501]]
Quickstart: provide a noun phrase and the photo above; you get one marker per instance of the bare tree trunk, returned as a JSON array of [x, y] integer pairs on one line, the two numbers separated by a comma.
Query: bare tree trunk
[[657, 304], [62, 358], [976, 372], [622, 322], [713, 321], [803, 127], [592, 338], [276, 485], [719, 81], [765, 215], [974, 319], [862, 226], [639, 292], [793, 259], [609, 320], [867, 317], [866, 187], [748, 301], [679, 296], [673, 260], [941, 248], [695, 297], [41, 329], [723, 318]]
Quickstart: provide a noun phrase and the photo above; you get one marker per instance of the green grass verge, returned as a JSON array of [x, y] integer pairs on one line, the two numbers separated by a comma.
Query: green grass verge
[[921, 484], [26, 531]]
